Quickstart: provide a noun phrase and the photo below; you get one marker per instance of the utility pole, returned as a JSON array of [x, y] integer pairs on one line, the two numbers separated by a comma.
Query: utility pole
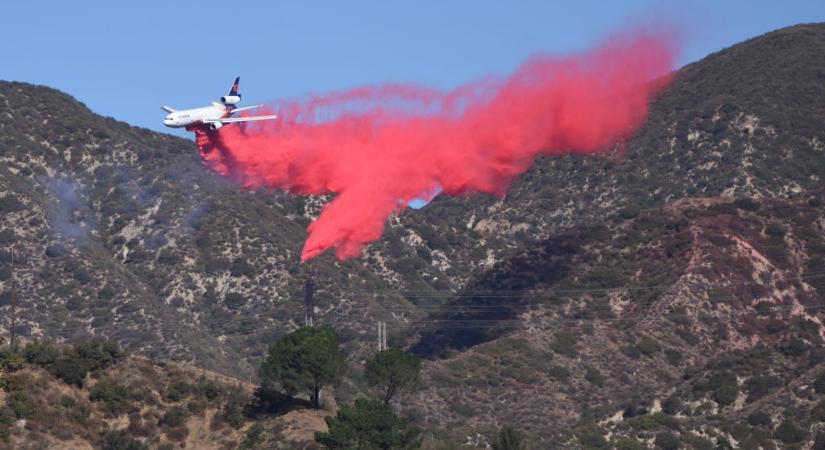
[[382, 336], [13, 341], [309, 302]]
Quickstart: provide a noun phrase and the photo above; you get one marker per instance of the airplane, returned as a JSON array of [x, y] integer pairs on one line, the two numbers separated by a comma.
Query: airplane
[[213, 117]]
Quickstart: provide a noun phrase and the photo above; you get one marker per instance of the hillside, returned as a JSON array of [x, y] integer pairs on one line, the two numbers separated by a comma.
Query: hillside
[[134, 402], [689, 255]]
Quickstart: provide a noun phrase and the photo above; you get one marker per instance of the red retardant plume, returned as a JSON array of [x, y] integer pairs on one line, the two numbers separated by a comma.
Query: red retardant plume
[[380, 147]]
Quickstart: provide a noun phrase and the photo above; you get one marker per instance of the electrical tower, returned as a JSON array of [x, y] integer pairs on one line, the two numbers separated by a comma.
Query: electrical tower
[[309, 302], [13, 340]]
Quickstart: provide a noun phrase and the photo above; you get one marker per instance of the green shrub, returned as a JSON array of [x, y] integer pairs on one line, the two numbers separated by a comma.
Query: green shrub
[[119, 440], [11, 382], [253, 437], [175, 417], [591, 437], [672, 405], [794, 348], [674, 357], [565, 343], [647, 346], [10, 360], [726, 394], [41, 353], [760, 418], [70, 368], [559, 373], [667, 441], [21, 404], [819, 383], [114, 396], [789, 433], [761, 385], [629, 443], [177, 390], [593, 375]]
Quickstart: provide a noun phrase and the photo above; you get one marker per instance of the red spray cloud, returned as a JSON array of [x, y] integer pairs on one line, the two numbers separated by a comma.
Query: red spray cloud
[[380, 147]]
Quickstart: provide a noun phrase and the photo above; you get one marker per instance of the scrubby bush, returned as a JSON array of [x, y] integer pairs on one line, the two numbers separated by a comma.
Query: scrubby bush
[[177, 390], [73, 365], [21, 404], [760, 419], [175, 417], [672, 405], [10, 360], [647, 346], [667, 441], [565, 343], [114, 396], [118, 440], [40, 353], [593, 375], [819, 383], [789, 433]]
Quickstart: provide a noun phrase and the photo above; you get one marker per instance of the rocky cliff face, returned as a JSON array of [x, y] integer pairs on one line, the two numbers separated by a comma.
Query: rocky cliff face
[[595, 283]]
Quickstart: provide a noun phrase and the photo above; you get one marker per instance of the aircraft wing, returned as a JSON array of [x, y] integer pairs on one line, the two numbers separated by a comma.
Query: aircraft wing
[[246, 119], [245, 108], [227, 120]]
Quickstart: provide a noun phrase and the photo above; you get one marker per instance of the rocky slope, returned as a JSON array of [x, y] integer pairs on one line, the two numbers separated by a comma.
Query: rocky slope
[[592, 260]]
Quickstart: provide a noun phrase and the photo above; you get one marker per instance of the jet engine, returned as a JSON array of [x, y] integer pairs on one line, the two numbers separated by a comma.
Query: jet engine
[[215, 125], [230, 99]]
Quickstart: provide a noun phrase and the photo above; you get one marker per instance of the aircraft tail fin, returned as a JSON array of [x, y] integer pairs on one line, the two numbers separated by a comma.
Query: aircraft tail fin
[[234, 90]]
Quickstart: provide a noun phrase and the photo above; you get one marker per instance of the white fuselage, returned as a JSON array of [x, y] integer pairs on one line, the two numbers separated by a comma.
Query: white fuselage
[[186, 117]]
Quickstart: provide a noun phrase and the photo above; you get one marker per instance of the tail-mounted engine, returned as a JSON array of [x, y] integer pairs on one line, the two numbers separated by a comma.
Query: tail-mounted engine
[[231, 99], [215, 125]]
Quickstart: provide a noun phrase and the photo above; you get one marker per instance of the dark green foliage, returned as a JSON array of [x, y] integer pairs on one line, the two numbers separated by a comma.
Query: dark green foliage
[[175, 417], [565, 343], [234, 300], [304, 361], [253, 437], [233, 410], [818, 412], [509, 438], [392, 371], [726, 394], [70, 368], [177, 390], [628, 443], [114, 396], [789, 433], [673, 356], [10, 204], [667, 441], [10, 360], [760, 419], [559, 373], [819, 383], [819, 441], [368, 424], [119, 440], [647, 346], [672, 405], [593, 375], [746, 204], [723, 387], [74, 364], [21, 404], [41, 353], [761, 385], [794, 348]]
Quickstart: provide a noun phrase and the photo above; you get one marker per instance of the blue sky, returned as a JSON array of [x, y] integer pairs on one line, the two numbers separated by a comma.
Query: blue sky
[[125, 59]]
